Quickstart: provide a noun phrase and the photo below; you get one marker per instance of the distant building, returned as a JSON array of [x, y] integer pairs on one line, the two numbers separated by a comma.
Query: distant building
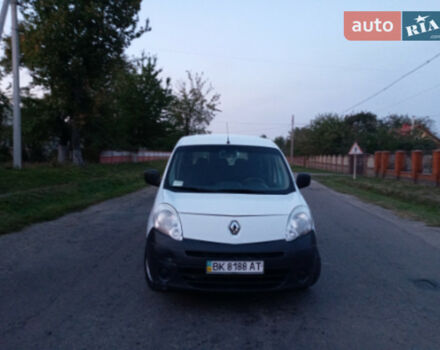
[[424, 132]]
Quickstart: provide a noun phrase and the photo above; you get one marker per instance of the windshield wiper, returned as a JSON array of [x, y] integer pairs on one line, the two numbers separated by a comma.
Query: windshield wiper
[[191, 189], [240, 190], [215, 190]]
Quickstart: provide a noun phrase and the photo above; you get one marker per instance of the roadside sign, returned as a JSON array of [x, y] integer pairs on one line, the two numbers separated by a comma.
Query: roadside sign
[[355, 150]]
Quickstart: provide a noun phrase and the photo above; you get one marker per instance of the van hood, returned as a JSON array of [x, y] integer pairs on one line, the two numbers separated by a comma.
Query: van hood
[[208, 216], [232, 204]]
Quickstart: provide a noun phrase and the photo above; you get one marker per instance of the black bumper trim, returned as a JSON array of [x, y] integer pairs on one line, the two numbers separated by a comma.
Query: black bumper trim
[[181, 264]]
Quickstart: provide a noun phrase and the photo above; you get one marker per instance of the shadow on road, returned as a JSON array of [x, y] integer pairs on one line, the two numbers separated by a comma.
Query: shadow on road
[[235, 301]]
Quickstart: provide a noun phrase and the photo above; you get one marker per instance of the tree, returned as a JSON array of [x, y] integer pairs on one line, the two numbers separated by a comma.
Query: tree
[[194, 105], [364, 128], [143, 99], [39, 125], [72, 47], [327, 134], [131, 113], [402, 132], [334, 134], [281, 143], [5, 127]]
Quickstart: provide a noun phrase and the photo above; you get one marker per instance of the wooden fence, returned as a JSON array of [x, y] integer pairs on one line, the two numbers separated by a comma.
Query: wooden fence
[[114, 157]]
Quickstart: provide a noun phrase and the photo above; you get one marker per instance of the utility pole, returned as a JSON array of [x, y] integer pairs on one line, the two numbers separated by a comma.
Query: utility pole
[[291, 138], [17, 161], [16, 90]]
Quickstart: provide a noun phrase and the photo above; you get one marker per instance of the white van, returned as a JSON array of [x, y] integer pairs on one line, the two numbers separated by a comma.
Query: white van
[[228, 216]]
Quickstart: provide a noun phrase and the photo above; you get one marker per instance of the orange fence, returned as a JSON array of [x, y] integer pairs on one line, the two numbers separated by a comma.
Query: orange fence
[[114, 157], [418, 166], [414, 165]]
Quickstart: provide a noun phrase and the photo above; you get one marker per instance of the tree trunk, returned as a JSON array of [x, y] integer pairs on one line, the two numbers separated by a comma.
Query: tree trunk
[[186, 126], [65, 135], [76, 146], [62, 153]]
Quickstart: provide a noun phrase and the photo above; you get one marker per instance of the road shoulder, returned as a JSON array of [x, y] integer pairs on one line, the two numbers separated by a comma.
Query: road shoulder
[[429, 234]]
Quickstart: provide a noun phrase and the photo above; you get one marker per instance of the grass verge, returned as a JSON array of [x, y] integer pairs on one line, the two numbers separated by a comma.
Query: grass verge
[[415, 201], [44, 192]]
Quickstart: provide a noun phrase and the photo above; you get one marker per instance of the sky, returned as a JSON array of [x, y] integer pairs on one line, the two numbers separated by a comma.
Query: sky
[[271, 59]]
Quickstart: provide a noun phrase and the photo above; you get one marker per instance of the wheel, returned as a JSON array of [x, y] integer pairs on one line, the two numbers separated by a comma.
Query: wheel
[[317, 270], [314, 276], [148, 276]]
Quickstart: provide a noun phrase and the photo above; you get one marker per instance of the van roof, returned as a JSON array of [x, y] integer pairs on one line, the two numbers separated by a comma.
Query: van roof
[[221, 139]]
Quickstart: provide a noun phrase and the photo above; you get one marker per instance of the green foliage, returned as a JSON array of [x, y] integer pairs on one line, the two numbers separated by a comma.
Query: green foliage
[[281, 143], [72, 48], [329, 133], [142, 99], [5, 128], [130, 114], [94, 97], [39, 125], [334, 134]]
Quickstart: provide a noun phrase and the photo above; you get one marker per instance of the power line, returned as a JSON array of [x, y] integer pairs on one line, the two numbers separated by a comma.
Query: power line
[[269, 61], [411, 96], [392, 83]]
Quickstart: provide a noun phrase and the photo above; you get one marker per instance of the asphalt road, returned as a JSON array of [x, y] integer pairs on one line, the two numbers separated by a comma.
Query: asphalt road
[[78, 283]]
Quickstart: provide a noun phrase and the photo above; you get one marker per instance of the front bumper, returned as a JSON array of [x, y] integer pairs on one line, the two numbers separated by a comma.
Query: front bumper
[[181, 264]]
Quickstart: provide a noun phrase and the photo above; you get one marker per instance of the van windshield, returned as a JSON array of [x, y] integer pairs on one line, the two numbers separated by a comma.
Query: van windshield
[[228, 169]]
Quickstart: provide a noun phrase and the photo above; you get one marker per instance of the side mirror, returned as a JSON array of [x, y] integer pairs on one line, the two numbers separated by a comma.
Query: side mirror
[[152, 177], [303, 180]]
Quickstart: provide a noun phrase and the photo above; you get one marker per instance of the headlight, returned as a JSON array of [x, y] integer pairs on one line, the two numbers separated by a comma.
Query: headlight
[[166, 220], [299, 223]]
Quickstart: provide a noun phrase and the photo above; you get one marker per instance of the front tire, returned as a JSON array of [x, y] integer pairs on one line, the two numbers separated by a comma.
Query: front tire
[[152, 284], [314, 276]]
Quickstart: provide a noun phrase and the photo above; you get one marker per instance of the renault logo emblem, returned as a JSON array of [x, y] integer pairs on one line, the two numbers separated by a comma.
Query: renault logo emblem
[[234, 227]]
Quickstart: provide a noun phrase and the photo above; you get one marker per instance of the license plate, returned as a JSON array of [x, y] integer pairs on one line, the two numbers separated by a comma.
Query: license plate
[[234, 267]]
